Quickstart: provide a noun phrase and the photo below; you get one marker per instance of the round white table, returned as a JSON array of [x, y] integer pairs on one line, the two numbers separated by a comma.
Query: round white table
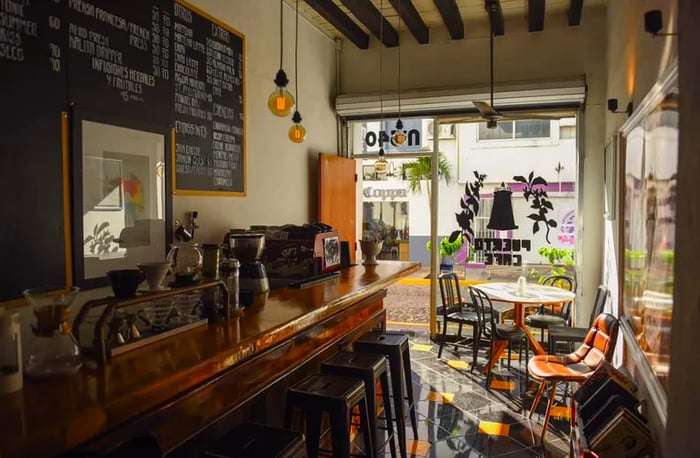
[[533, 294]]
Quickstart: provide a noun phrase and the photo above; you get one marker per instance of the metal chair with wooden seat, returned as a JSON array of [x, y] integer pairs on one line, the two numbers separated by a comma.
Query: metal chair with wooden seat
[[545, 318], [598, 346], [455, 310], [572, 335]]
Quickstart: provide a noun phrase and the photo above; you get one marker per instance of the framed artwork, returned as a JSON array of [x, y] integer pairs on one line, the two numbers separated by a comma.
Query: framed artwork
[[119, 197], [331, 252], [102, 188]]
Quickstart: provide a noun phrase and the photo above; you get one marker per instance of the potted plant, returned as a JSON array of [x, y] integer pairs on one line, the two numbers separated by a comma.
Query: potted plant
[[448, 250]]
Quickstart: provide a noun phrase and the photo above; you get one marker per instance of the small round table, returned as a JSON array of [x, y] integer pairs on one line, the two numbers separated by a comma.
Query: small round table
[[533, 294]]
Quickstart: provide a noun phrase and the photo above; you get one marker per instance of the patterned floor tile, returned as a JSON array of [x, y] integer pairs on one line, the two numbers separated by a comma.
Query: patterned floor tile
[[452, 403]]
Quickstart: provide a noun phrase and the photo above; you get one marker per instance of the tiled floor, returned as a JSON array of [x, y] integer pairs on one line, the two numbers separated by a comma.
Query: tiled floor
[[459, 417]]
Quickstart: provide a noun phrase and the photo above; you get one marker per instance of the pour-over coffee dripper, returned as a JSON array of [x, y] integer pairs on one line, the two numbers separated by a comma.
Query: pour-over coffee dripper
[[155, 273]]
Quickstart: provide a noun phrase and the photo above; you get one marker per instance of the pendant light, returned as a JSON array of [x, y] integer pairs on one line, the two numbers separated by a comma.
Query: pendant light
[[501, 218], [399, 136], [281, 101], [381, 166], [297, 133]]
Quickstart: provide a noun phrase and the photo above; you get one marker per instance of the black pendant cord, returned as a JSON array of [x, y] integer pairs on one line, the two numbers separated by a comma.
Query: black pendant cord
[[399, 78], [381, 74], [296, 54], [492, 69], [281, 33]]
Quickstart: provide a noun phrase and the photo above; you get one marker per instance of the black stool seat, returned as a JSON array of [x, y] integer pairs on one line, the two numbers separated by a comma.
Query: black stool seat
[[252, 440], [394, 345], [371, 369], [337, 396]]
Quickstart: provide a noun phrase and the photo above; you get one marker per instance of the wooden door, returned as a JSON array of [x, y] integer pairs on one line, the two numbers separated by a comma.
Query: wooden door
[[337, 183]]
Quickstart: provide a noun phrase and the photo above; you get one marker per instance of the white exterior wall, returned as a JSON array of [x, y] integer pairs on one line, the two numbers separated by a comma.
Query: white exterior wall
[[500, 160]]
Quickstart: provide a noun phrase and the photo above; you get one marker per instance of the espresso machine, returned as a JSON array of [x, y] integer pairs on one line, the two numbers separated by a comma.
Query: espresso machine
[[253, 283]]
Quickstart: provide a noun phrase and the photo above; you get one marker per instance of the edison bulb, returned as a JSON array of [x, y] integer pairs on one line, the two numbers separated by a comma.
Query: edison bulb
[[280, 102], [381, 165], [297, 133]]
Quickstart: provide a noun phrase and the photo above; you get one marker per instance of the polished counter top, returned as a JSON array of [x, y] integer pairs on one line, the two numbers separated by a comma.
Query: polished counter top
[[53, 416]]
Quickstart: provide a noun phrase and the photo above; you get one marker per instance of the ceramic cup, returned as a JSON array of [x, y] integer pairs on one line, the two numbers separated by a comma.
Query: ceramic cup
[[155, 273], [125, 281]]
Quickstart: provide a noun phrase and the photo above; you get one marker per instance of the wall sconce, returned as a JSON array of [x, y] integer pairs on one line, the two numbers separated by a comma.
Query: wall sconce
[[653, 22], [612, 107]]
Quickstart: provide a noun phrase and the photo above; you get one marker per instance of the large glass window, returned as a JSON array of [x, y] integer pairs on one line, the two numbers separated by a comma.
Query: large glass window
[[512, 130]]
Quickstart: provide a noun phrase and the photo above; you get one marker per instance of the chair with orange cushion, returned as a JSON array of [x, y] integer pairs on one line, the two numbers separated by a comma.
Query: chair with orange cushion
[[598, 345]]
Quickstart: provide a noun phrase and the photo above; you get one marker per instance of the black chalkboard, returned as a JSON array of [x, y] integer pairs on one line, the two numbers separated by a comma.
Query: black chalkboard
[[32, 96], [158, 62], [207, 104], [119, 58]]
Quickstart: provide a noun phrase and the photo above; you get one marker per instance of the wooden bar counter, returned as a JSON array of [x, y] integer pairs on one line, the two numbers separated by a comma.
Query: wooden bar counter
[[203, 381]]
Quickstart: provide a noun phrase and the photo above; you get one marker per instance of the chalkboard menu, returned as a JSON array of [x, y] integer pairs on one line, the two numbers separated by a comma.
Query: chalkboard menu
[[208, 104], [119, 58], [156, 61], [32, 95]]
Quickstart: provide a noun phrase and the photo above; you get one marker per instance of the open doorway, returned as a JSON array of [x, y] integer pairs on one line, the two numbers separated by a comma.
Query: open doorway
[[535, 159]]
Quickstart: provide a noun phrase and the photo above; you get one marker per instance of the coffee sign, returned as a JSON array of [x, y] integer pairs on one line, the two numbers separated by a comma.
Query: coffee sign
[[503, 252], [378, 193]]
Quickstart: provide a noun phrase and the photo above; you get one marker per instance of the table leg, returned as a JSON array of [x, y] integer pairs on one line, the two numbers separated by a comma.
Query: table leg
[[520, 322], [498, 348]]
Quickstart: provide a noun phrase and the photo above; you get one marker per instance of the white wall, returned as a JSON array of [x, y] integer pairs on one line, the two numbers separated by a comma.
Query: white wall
[[282, 176], [558, 51]]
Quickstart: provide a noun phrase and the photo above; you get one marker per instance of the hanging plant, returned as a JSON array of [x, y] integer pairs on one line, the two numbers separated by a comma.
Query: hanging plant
[[536, 187], [470, 208]]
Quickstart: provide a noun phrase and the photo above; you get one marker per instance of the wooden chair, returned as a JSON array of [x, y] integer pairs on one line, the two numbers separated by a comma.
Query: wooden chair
[[598, 346], [455, 310]]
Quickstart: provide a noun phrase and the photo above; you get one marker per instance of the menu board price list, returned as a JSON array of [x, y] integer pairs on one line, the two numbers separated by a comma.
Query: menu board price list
[[207, 78]]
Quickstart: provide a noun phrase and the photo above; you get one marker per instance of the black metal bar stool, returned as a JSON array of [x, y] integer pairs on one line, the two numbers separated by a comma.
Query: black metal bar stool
[[370, 369], [394, 345], [253, 440], [337, 396]]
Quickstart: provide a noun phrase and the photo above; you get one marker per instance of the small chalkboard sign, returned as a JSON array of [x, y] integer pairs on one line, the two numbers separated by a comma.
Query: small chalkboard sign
[[208, 104]]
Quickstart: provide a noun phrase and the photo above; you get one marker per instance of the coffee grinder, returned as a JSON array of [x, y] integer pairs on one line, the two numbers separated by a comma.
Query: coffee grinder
[[248, 249]]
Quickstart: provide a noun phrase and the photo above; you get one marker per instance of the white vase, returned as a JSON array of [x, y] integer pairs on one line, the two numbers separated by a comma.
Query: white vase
[[370, 250]]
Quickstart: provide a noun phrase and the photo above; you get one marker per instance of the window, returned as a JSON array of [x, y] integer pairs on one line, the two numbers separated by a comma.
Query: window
[[567, 132], [510, 130]]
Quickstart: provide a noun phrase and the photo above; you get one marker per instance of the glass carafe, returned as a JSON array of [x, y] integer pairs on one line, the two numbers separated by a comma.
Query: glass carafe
[[53, 351], [185, 261]]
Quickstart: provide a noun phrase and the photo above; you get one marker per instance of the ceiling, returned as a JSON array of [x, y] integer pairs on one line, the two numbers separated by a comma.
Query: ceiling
[[358, 20]]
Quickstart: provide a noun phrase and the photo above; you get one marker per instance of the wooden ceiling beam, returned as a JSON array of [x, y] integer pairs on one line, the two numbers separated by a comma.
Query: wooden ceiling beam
[[412, 19], [575, 10], [493, 7], [340, 21], [535, 15], [370, 16], [451, 17]]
